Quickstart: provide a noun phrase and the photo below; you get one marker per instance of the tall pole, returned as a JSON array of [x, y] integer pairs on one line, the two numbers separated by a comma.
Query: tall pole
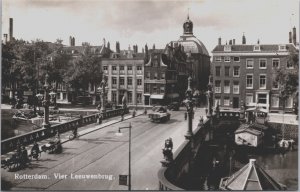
[[129, 166], [190, 111], [46, 101], [103, 84]]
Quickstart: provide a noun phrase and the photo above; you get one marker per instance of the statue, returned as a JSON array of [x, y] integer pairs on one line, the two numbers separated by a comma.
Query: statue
[[167, 151]]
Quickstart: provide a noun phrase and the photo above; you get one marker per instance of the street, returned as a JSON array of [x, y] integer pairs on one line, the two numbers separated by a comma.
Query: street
[[103, 152]]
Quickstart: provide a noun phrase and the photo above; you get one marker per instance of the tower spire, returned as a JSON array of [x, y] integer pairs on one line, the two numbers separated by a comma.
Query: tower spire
[[188, 16]]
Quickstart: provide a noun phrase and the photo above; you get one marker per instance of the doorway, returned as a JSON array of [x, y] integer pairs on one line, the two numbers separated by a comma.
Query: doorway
[[235, 102]]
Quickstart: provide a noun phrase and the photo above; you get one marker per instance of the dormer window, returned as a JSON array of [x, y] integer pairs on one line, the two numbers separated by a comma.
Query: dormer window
[[227, 48], [256, 48], [281, 48]]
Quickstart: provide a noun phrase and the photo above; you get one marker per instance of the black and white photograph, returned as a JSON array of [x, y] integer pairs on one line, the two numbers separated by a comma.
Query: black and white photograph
[[121, 95]]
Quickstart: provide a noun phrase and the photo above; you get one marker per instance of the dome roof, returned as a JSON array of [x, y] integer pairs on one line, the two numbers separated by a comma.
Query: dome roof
[[192, 44]]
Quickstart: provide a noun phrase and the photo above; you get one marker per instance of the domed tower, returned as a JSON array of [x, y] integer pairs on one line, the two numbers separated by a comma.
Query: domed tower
[[188, 26]]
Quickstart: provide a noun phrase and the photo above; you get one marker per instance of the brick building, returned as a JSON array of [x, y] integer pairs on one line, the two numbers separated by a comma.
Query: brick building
[[245, 74]]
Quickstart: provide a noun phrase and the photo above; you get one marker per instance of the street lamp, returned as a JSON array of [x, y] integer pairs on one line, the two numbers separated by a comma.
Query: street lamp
[[45, 102], [189, 107], [129, 154], [102, 87]]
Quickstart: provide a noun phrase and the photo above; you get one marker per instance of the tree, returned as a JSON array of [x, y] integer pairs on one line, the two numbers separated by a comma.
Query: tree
[[288, 80]]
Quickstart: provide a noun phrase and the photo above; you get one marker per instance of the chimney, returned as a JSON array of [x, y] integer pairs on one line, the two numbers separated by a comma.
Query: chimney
[[230, 42], [70, 41], [108, 45], [117, 47], [5, 38], [129, 48], [233, 41], [143, 50], [219, 41], [294, 35], [104, 42], [153, 46], [290, 37], [73, 41], [146, 51], [136, 49], [244, 39], [258, 42], [11, 29]]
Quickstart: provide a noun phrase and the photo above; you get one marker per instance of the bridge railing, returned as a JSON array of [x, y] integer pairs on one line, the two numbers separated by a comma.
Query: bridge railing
[[169, 176], [10, 144]]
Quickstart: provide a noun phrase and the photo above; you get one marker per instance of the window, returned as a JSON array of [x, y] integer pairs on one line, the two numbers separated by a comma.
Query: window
[[129, 69], [121, 80], [226, 86], [139, 82], [289, 102], [236, 71], [275, 83], [218, 59], [262, 63], [236, 59], [236, 87], [217, 101], [218, 71], [129, 81], [162, 89], [155, 75], [289, 65], [262, 98], [249, 63], [114, 96], [275, 63], [275, 101], [58, 96], [249, 81], [163, 76], [139, 98], [217, 86], [226, 101], [282, 48], [129, 94], [147, 88], [249, 98], [114, 68], [122, 70], [148, 75], [227, 59], [139, 68], [227, 48], [262, 81], [227, 71], [154, 89], [114, 80], [256, 48], [105, 69], [64, 96]]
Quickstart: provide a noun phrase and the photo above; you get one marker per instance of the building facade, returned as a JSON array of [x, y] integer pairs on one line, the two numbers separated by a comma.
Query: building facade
[[244, 75], [125, 76], [198, 56]]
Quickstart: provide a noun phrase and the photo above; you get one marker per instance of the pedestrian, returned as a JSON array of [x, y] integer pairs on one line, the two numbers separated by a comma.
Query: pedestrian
[[201, 119], [24, 156], [145, 111], [133, 113], [100, 119], [122, 115]]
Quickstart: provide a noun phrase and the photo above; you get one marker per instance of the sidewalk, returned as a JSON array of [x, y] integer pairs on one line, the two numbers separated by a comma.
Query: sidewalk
[[86, 130]]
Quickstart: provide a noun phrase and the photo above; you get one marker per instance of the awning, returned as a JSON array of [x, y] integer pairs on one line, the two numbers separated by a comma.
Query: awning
[[173, 95], [254, 109], [156, 96]]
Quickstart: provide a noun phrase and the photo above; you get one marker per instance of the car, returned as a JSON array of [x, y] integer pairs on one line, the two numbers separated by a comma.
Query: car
[[159, 114], [174, 106]]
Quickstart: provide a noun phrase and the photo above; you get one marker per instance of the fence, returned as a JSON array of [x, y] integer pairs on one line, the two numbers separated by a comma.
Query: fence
[[10, 144]]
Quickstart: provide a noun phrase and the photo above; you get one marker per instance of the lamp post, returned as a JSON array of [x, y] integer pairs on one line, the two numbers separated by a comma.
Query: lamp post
[[46, 102], [189, 107], [103, 84], [129, 154]]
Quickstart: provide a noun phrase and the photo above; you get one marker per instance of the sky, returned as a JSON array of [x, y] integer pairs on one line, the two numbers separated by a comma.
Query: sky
[[151, 21]]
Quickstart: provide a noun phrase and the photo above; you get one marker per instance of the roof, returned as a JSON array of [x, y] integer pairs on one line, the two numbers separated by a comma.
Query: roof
[[127, 54], [249, 48], [80, 49], [246, 128], [250, 177], [192, 44]]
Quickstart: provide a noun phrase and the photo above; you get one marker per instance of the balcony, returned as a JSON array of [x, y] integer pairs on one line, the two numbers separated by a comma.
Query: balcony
[[129, 86]]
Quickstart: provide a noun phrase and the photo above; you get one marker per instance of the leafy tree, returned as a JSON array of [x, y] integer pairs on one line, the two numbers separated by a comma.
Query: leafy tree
[[288, 80]]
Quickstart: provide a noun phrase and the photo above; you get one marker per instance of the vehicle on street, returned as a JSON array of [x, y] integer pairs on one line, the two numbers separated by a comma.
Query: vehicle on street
[[159, 114], [174, 106]]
